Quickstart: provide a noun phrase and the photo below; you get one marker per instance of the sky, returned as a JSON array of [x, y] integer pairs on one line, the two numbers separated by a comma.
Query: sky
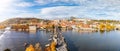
[[56, 9]]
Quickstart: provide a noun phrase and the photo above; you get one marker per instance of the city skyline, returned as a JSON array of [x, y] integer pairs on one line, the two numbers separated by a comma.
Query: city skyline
[[51, 9]]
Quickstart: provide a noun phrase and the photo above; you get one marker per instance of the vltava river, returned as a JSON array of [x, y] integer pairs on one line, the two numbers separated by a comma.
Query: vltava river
[[15, 40], [77, 41], [106, 41]]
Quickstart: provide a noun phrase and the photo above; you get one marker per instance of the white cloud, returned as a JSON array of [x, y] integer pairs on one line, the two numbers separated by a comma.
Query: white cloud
[[8, 9], [63, 11], [42, 2], [25, 4], [106, 9], [6, 4], [80, 11]]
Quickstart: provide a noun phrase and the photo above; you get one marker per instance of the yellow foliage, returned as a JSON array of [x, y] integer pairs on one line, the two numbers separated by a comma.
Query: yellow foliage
[[2, 27], [109, 27], [18, 26], [52, 46], [47, 49], [102, 26], [30, 48], [106, 26]]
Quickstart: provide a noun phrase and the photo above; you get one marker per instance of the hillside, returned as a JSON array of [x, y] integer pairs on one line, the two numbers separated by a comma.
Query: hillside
[[21, 20]]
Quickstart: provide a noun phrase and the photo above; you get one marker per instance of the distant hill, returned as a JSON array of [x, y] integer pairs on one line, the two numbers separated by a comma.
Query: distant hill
[[21, 20]]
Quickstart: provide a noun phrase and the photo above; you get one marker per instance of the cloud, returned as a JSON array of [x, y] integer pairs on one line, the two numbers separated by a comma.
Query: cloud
[[96, 9], [25, 4], [5, 4], [5, 7], [8, 9], [80, 11], [63, 11], [43, 2]]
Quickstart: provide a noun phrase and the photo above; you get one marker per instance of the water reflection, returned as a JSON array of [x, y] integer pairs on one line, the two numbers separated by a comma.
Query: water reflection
[[32, 32], [102, 31]]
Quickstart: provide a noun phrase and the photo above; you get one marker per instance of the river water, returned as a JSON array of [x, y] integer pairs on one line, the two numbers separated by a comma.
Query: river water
[[15, 40], [76, 41]]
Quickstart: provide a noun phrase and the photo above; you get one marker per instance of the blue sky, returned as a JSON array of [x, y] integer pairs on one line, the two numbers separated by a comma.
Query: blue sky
[[55, 9]]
